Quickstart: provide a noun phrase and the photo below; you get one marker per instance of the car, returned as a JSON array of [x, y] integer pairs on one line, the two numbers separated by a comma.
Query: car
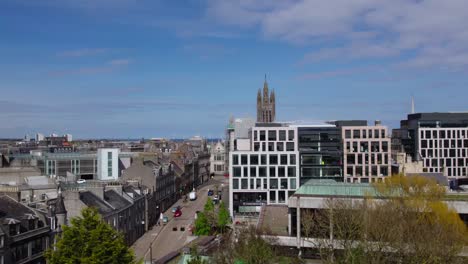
[[80, 181], [175, 208], [210, 192], [165, 219], [215, 199], [178, 213]]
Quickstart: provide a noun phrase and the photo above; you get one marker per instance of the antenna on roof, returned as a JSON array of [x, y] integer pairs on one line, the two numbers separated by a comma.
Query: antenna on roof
[[412, 104]]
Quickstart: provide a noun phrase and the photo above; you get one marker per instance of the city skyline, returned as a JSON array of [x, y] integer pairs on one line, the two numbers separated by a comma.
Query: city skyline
[[132, 69]]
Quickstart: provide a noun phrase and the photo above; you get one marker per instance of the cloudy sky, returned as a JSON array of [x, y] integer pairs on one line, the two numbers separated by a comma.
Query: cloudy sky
[[151, 68]]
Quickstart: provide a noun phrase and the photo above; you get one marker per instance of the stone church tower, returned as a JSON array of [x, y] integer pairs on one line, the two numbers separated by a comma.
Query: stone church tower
[[266, 105]]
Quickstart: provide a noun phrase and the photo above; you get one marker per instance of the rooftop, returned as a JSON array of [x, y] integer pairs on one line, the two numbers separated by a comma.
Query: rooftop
[[333, 188]]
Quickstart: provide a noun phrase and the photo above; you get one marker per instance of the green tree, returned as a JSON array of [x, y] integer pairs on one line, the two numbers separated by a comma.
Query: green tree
[[202, 225], [195, 257], [209, 206], [88, 240], [223, 217]]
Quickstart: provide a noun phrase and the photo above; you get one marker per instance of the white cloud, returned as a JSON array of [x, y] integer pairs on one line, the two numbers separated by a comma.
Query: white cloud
[[434, 32]]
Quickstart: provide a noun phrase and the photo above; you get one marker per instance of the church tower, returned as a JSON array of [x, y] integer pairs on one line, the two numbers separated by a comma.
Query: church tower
[[266, 105]]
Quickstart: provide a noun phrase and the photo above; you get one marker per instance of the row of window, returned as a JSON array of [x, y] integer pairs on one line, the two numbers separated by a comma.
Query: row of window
[[219, 157], [319, 172], [457, 162], [446, 143], [358, 171], [323, 160], [452, 153], [275, 196], [365, 133], [357, 159], [443, 133], [263, 171], [219, 167], [273, 135], [273, 146], [451, 172], [264, 184], [367, 146], [364, 180], [263, 159]]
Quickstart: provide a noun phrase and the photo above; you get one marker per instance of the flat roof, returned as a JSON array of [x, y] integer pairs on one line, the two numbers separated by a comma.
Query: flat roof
[[329, 187]]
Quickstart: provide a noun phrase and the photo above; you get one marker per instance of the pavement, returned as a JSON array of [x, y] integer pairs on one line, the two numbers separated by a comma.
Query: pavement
[[163, 239]]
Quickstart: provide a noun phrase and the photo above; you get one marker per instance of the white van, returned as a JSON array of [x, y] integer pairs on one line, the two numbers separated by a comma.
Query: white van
[[192, 196]]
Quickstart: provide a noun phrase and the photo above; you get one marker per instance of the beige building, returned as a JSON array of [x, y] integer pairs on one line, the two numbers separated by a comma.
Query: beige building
[[366, 153]]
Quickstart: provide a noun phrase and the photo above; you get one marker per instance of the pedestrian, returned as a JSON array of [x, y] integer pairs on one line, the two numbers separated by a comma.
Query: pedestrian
[[161, 218]]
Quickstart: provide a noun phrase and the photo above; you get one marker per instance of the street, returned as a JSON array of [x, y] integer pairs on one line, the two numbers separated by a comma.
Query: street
[[164, 239]]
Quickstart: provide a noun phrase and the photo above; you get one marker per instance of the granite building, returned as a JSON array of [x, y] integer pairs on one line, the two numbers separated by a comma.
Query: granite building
[[266, 105]]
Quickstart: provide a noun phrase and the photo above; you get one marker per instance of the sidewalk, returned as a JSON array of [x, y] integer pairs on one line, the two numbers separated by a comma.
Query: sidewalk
[[142, 245]]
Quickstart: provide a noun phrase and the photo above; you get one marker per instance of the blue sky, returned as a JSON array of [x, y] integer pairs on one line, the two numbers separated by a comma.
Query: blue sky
[[151, 68]]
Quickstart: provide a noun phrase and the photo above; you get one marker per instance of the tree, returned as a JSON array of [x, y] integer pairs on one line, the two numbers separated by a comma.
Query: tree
[[88, 239], [223, 217], [209, 206], [404, 221], [195, 257], [202, 226]]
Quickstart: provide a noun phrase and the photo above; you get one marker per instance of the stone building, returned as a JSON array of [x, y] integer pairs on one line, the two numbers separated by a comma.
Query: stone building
[[266, 105], [24, 233]]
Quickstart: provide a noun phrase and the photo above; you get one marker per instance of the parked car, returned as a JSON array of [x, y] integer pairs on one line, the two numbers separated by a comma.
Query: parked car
[[80, 181], [215, 199], [165, 219], [178, 213], [210, 192], [193, 196], [175, 208]]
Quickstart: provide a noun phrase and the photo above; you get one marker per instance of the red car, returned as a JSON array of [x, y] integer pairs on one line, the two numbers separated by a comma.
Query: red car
[[177, 213]]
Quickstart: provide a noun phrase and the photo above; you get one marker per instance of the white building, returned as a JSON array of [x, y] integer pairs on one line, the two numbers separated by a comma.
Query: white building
[[264, 168], [39, 137], [69, 137], [217, 159], [108, 163], [444, 150]]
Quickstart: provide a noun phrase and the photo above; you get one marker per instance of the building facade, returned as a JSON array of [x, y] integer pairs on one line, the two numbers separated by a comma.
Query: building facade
[[217, 159], [439, 140], [320, 150], [266, 173], [366, 153], [108, 164], [24, 234]]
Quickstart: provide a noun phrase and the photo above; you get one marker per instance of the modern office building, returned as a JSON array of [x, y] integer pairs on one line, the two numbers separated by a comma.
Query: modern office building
[[264, 169], [320, 151], [108, 164], [439, 140], [366, 153], [84, 165]]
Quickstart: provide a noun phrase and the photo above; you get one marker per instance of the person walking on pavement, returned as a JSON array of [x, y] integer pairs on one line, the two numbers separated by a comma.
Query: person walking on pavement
[[161, 218]]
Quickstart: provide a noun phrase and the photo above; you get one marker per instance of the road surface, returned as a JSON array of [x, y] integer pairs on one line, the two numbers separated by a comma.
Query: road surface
[[163, 239]]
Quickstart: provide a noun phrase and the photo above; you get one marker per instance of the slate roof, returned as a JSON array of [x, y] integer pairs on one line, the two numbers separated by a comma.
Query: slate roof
[[115, 199], [9, 208], [91, 200]]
